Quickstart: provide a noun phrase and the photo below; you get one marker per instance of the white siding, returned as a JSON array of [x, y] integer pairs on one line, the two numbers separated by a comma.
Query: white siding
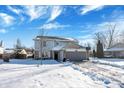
[[1, 50], [37, 45], [61, 55], [50, 44]]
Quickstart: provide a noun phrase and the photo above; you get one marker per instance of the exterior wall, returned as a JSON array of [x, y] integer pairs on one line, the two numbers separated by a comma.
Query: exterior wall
[[115, 53], [1, 52], [61, 53], [118, 54], [37, 45], [122, 53], [50, 44], [36, 54]]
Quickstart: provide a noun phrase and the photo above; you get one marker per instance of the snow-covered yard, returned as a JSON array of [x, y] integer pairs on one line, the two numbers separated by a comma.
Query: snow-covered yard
[[109, 61], [28, 73]]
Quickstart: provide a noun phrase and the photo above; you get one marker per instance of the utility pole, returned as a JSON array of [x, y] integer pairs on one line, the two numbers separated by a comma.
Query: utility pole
[[41, 48], [41, 34]]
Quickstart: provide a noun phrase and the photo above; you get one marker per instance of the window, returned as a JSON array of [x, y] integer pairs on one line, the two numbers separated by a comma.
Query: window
[[44, 43], [57, 43]]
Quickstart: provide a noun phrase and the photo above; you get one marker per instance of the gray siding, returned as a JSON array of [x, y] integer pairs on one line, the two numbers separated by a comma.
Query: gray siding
[[76, 56]]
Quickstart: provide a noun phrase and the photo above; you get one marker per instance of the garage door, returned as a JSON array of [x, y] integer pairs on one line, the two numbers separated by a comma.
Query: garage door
[[76, 56]]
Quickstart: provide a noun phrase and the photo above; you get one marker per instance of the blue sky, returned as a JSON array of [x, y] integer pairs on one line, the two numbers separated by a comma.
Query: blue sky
[[80, 22]]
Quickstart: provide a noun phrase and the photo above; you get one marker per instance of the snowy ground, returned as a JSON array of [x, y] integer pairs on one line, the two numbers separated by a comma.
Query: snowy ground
[[109, 61], [27, 73]]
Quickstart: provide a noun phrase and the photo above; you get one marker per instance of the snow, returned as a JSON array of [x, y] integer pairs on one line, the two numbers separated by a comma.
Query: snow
[[57, 48], [71, 39], [1, 50], [9, 51], [106, 75], [115, 49], [109, 61], [78, 50], [29, 73]]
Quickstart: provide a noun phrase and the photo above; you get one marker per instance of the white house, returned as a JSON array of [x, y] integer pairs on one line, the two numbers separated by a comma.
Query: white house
[[115, 51], [59, 48]]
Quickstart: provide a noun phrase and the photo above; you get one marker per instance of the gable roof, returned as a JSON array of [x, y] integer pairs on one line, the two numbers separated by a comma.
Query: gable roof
[[116, 47], [70, 46], [55, 37], [21, 51], [73, 46]]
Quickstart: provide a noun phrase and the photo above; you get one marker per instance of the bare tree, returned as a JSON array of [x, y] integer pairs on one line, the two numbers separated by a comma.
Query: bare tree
[[111, 34], [99, 36], [108, 38]]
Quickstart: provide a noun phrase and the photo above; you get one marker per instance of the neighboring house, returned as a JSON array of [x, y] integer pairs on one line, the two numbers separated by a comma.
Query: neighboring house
[[29, 52], [9, 53], [115, 51], [59, 48], [24, 53], [20, 54], [1, 49]]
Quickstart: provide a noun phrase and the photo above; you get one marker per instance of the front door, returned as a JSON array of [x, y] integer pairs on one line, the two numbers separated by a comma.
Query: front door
[[56, 55]]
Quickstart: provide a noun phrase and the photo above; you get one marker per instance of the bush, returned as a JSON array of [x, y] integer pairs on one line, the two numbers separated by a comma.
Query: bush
[[94, 53], [64, 59], [21, 56], [6, 59]]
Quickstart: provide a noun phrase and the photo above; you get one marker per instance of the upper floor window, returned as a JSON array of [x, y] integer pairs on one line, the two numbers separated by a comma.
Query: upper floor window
[[56, 43], [44, 43]]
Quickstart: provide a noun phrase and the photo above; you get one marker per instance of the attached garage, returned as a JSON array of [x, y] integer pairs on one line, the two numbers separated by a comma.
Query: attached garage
[[76, 56], [71, 52]]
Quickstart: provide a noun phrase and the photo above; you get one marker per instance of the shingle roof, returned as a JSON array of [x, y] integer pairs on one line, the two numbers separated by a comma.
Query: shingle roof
[[117, 47], [55, 37], [70, 46]]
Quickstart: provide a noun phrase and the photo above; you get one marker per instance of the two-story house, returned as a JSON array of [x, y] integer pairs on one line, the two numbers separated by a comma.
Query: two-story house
[[58, 48]]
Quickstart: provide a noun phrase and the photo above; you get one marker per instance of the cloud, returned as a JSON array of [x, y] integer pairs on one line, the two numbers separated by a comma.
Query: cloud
[[3, 31], [55, 12], [87, 39], [89, 8], [15, 10], [35, 11], [18, 12], [6, 20], [54, 25]]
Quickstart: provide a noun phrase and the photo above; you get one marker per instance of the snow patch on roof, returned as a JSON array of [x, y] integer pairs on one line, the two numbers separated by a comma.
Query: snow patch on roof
[[115, 49], [58, 38], [1, 50], [72, 39], [78, 50], [57, 48]]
